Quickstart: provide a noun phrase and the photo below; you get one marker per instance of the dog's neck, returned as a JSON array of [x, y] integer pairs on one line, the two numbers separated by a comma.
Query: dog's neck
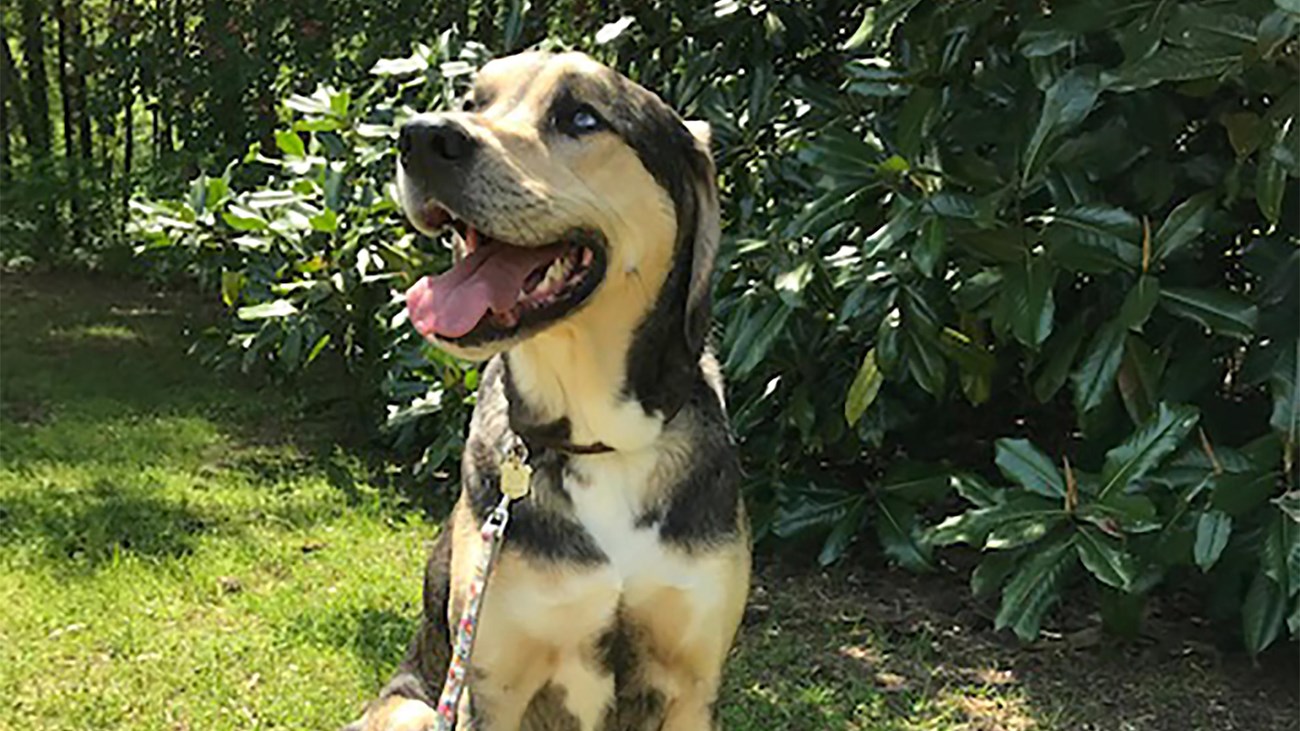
[[570, 384]]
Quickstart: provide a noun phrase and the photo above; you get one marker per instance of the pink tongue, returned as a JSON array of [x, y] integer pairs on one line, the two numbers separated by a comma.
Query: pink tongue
[[452, 303]]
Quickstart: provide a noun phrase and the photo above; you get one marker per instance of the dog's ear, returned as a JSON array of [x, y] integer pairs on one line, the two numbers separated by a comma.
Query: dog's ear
[[704, 244]]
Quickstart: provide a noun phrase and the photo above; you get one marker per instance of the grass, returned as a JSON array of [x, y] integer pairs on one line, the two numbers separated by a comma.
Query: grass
[[180, 550]]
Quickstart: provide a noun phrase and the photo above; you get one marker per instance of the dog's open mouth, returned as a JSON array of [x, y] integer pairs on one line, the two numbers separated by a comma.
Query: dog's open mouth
[[498, 289]]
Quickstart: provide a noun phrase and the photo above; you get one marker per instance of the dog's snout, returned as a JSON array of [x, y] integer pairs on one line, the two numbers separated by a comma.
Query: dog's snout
[[433, 141]]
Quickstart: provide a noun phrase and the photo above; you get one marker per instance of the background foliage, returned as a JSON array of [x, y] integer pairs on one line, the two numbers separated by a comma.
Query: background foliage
[[1023, 276]]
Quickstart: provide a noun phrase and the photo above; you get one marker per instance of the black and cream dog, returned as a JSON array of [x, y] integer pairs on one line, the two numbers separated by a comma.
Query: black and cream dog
[[587, 217]]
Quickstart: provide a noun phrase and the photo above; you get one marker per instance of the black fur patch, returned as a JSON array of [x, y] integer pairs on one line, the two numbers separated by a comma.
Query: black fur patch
[[702, 508], [663, 359], [637, 706], [542, 533]]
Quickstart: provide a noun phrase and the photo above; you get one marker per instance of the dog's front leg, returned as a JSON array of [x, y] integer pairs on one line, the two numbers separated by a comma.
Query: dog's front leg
[[500, 689]]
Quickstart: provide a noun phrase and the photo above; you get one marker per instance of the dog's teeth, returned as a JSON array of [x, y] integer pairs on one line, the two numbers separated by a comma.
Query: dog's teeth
[[554, 274]]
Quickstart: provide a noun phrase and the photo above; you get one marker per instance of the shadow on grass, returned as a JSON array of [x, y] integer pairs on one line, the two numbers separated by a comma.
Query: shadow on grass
[[99, 395], [376, 635], [88, 528], [94, 346]]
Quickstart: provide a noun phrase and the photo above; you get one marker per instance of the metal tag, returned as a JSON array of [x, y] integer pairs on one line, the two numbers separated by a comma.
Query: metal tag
[[516, 477]]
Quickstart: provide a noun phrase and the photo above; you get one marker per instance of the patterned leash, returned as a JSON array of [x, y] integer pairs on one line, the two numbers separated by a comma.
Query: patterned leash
[[515, 479]]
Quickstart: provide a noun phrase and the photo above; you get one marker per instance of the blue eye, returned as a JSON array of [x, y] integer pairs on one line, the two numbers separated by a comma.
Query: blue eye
[[582, 120]]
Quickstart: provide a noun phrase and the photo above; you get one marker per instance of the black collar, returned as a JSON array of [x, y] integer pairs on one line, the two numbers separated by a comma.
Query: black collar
[[539, 439]]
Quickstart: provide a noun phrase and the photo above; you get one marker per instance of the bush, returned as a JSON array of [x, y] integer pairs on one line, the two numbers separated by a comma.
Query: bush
[[1035, 266]]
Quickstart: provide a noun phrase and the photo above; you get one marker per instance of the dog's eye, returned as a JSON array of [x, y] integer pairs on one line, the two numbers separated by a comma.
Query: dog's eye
[[468, 104], [582, 120]]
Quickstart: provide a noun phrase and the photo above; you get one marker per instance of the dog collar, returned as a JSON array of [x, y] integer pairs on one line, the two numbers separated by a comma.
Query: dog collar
[[538, 441]]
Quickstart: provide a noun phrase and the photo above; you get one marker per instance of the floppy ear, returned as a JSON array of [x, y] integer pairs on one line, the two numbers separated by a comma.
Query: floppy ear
[[704, 245]]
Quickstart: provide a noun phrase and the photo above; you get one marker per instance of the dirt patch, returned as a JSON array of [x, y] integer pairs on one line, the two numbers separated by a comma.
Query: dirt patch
[[942, 649]]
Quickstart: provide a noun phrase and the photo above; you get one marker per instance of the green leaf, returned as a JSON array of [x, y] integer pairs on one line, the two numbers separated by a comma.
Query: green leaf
[[1284, 384], [1221, 311], [1066, 103], [267, 310], [1145, 448], [925, 360], [1139, 302], [1093, 238], [1033, 589], [756, 338], [865, 388], [1139, 378], [1213, 528], [1096, 372], [1106, 559], [915, 482], [789, 285], [1028, 467], [975, 489], [327, 221], [1270, 187], [1027, 297], [901, 223], [813, 507], [1183, 224], [972, 358], [864, 32], [1039, 42], [1262, 614], [838, 540], [1172, 64], [974, 526], [1061, 350], [316, 349], [1280, 559], [930, 244], [1017, 533], [897, 528], [992, 572], [1245, 131], [1238, 494], [243, 219], [1121, 514], [232, 285], [889, 14], [290, 143]]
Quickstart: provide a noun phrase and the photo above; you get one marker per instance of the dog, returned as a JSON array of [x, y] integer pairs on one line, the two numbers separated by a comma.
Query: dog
[[586, 223]]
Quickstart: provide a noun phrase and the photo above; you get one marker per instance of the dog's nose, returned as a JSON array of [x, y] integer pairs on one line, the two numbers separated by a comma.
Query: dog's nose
[[433, 140]]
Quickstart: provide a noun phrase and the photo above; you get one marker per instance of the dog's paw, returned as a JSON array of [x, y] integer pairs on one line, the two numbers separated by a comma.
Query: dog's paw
[[395, 714]]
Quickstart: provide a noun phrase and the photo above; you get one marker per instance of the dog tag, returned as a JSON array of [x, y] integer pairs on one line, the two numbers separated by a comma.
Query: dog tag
[[515, 477]]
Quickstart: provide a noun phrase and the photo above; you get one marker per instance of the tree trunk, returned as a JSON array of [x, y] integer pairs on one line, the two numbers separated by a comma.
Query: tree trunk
[[68, 102], [180, 115], [6, 160], [11, 97], [81, 67], [128, 139], [38, 100]]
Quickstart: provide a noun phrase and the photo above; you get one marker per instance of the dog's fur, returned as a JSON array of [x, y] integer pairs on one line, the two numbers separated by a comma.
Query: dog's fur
[[624, 574]]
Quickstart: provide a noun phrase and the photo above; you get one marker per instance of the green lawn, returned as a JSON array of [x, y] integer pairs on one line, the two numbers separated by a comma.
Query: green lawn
[[179, 550]]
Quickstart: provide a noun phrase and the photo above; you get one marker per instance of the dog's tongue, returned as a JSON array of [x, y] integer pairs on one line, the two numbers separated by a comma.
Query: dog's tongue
[[452, 303]]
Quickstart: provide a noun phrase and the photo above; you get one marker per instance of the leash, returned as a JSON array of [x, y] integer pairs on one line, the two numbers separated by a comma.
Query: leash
[[516, 477]]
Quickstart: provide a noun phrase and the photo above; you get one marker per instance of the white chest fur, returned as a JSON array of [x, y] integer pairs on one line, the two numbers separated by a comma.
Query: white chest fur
[[612, 495]]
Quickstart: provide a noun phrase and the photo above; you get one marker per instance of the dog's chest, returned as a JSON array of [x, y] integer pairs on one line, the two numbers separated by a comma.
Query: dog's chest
[[611, 498]]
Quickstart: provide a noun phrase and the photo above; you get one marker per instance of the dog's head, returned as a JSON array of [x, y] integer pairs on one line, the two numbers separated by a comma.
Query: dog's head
[[571, 190]]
